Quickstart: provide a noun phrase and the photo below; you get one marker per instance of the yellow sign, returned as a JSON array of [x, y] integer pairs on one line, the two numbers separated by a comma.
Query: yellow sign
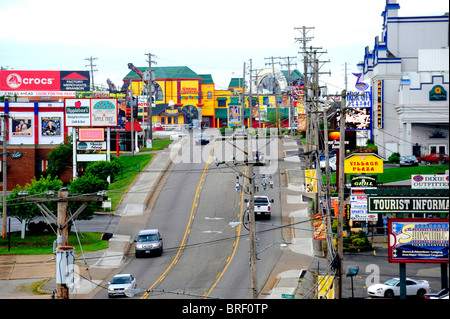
[[325, 287], [311, 180], [363, 163]]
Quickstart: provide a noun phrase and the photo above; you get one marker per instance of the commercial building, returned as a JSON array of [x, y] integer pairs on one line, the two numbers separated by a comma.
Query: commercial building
[[408, 69]]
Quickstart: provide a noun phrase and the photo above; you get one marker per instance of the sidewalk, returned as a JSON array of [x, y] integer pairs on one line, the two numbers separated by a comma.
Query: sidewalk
[[291, 278], [19, 274]]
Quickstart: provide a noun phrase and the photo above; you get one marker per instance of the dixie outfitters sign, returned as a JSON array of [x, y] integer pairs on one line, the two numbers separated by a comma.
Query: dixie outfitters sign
[[407, 204]]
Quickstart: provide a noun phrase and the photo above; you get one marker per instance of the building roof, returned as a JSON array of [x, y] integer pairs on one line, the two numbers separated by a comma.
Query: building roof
[[206, 78], [166, 72], [235, 83]]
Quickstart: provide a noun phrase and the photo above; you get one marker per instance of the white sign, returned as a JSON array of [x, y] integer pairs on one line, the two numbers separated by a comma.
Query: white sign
[[358, 209], [429, 181], [91, 146], [91, 112], [91, 157]]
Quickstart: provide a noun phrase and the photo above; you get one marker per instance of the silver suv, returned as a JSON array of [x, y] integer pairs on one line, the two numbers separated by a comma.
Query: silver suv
[[148, 241]]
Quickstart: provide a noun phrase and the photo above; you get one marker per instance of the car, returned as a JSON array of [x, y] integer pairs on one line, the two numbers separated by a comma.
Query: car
[[261, 207], [177, 135], [442, 294], [119, 283], [434, 158], [148, 241], [391, 288], [202, 139], [331, 163], [409, 160]]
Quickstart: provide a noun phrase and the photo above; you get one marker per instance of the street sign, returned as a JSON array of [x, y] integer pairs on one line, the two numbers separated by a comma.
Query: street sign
[[287, 296]]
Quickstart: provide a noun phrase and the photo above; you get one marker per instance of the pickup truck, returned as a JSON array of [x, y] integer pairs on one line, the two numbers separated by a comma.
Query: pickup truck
[[262, 207]]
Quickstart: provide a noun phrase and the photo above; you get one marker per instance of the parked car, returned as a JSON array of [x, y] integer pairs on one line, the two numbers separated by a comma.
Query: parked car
[[202, 139], [119, 283], [442, 294], [434, 158], [148, 241], [332, 164], [409, 160], [391, 288]]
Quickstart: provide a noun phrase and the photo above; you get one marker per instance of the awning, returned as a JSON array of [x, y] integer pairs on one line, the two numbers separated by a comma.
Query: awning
[[136, 127]]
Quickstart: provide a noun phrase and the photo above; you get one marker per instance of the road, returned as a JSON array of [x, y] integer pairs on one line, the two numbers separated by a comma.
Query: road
[[204, 255]]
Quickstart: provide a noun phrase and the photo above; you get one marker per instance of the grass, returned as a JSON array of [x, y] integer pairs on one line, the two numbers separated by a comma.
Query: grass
[[43, 244], [119, 187]]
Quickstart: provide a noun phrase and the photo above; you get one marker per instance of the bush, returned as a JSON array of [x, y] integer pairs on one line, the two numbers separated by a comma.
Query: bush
[[394, 158], [357, 242]]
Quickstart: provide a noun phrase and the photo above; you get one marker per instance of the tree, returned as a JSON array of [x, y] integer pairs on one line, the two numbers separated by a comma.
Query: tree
[[26, 211], [60, 158], [103, 169]]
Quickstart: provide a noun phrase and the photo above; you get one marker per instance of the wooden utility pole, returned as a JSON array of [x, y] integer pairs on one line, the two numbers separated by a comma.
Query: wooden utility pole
[[251, 187], [91, 65], [340, 230], [62, 220]]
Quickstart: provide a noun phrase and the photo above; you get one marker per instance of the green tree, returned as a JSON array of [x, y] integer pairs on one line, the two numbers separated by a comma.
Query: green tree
[[89, 185], [27, 211], [103, 169], [60, 158]]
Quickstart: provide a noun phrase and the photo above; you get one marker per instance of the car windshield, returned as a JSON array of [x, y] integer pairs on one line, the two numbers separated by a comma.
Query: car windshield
[[409, 158], [145, 238], [121, 280], [391, 282]]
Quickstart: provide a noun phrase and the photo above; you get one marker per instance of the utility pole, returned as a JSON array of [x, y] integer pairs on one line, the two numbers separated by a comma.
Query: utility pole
[[275, 93], [303, 50], [91, 65], [149, 135], [340, 244], [62, 220], [251, 187], [5, 174]]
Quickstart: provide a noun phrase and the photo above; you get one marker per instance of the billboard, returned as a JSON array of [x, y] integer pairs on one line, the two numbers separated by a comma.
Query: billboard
[[418, 240], [408, 204], [29, 81], [94, 112]]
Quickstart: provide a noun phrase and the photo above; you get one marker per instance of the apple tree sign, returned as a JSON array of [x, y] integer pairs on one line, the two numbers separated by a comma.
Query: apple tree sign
[[95, 112]]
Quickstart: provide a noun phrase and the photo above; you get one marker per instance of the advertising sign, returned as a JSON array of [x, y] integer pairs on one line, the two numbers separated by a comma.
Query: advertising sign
[[429, 181], [363, 163], [364, 181], [78, 112], [91, 134], [358, 209], [407, 204], [28, 81], [418, 240], [94, 112], [311, 180]]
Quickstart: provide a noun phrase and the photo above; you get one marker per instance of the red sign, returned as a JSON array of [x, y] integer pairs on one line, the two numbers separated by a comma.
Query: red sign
[[30, 80]]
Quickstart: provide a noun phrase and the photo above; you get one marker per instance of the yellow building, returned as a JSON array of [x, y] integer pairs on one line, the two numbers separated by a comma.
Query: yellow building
[[193, 95]]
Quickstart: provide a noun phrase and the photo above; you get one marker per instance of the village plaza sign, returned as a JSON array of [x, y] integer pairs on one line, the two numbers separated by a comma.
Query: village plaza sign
[[363, 163]]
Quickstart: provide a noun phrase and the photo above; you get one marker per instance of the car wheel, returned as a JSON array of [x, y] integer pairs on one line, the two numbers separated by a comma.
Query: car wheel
[[389, 294], [421, 293]]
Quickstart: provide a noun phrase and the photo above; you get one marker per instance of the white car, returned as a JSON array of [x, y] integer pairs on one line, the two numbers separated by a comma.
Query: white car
[[177, 135], [119, 283], [332, 164], [391, 288]]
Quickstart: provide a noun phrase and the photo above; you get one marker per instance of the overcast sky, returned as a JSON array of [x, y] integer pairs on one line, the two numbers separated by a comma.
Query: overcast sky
[[210, 37]]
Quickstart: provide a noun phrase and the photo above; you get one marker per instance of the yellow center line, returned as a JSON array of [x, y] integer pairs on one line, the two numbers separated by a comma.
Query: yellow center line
[[235, 244], [188, 229]]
